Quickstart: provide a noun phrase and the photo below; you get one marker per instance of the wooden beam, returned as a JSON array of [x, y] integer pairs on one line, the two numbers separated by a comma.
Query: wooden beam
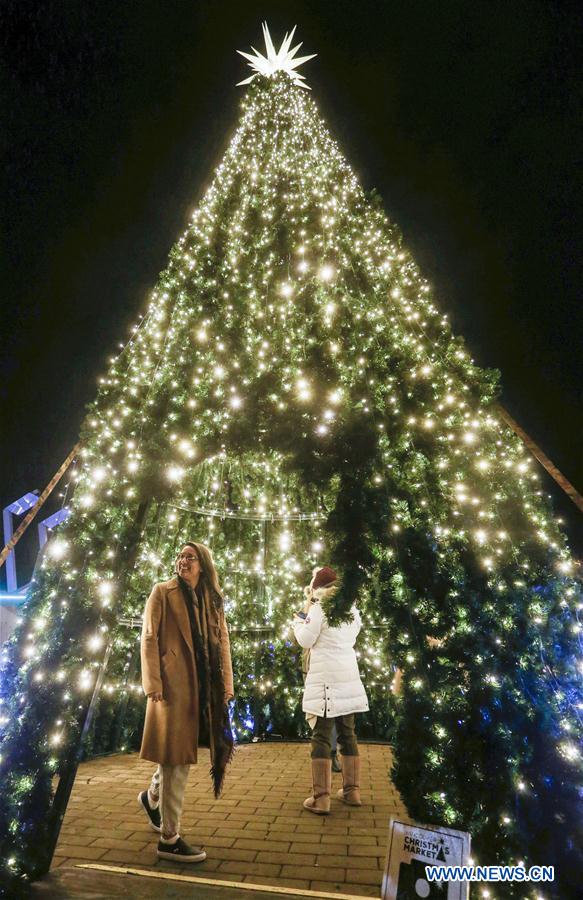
[[543, 459], [39, 503]]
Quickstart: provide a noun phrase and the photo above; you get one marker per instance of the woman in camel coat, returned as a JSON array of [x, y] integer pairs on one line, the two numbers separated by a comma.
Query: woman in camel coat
[[187, 676]]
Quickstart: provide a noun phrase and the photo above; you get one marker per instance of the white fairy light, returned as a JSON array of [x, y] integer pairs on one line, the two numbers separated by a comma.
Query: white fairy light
[[85, 680], [570, 751], [95, 642], [185, 447], [326, 273], [304, 389], [105, 590], [57, 548]]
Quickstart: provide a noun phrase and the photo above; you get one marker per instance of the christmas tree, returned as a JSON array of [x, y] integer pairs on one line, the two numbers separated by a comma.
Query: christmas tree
[[292, 397]]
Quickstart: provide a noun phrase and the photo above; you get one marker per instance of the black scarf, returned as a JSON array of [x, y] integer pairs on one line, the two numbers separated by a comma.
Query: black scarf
[[210, 677]]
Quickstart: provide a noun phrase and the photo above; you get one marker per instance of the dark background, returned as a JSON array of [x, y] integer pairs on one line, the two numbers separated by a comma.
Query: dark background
[[464, 115]]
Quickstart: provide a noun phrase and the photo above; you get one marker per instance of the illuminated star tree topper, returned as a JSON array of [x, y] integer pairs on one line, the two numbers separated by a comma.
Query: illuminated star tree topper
[[277, 61]]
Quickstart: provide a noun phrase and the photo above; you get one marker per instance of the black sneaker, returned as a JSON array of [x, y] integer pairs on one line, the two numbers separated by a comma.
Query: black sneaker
[[152, 814], [181, 852]]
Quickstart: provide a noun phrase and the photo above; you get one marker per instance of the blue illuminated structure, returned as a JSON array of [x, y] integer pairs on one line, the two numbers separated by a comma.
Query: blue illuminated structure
[[14, 596], [17, 508], [49, 523]]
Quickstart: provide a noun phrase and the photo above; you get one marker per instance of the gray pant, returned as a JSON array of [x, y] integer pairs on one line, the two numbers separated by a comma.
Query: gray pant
[[322, 734], [334, 739], [167, 787]]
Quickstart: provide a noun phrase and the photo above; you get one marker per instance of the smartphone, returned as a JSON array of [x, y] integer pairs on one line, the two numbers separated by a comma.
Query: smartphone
[[302, 615]]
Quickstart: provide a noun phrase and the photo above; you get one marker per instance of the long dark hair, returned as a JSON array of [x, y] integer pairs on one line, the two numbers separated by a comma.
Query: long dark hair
[[208, 572]]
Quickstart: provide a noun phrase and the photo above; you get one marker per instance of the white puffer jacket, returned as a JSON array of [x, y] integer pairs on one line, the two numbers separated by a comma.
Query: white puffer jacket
[[333, 686]]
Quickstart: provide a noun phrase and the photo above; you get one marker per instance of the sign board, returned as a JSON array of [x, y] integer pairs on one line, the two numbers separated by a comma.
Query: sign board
[[410, 848]]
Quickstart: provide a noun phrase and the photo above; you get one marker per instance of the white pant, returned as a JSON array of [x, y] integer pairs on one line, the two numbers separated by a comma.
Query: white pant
[[168, 786]]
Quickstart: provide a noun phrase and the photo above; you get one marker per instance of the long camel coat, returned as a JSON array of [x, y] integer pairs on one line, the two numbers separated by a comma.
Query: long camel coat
[[168, 666]]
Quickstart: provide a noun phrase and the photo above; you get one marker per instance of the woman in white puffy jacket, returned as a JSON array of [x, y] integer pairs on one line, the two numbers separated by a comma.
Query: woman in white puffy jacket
[[333, 693]]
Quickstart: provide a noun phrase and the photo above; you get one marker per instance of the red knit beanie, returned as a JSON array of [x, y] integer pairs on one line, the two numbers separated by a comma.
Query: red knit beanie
[[323, 578]]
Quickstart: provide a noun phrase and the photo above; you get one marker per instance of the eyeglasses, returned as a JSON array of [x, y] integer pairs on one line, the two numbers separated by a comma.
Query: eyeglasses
[[188, 557]]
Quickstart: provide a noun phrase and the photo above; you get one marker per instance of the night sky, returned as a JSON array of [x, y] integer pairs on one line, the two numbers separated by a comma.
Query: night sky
[[463, 114]]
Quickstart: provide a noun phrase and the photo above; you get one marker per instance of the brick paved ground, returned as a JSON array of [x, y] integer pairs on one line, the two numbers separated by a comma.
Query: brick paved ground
[[256, 832]]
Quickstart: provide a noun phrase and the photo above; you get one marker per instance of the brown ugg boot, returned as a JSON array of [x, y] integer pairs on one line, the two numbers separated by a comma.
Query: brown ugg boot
[[350, 792], [319, 802]]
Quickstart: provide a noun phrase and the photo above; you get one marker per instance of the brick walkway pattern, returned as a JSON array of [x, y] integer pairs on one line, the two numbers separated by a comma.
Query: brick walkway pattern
[[257, 832]]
